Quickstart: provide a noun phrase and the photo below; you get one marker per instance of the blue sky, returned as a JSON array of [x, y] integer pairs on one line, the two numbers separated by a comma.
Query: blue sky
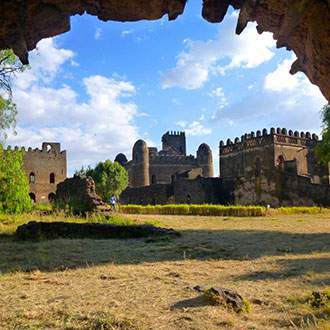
[[103, 85]]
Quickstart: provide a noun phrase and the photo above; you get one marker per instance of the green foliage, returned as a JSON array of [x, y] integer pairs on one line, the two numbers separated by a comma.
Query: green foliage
[[9, 66], [110, 178], [323, 148], [297, 210], [191, 209], [14, 187], [216, 210]]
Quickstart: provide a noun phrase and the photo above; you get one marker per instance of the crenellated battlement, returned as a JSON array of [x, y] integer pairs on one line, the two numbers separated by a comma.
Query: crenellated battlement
[[47, 148], [174, 133], [262, 138]]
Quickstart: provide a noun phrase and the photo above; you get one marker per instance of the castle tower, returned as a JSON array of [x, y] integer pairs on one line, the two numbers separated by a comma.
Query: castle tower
[[205, 160], [140, 169], [174, 143]]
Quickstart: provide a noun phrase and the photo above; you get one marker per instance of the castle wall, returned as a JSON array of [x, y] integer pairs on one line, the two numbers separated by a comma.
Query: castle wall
[[182, 191], [247, 157], [43, 163], [148, 195], [162, 169]]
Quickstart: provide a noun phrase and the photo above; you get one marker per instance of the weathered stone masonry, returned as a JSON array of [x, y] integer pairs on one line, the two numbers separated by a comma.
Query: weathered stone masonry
[[44, 168], [276, 168], [150, 166]]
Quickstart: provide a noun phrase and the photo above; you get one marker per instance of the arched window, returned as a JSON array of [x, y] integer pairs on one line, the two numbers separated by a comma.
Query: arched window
[[153, 179], [51, 197], [51, 178], [32, 178], [33, 197], [280, 160]]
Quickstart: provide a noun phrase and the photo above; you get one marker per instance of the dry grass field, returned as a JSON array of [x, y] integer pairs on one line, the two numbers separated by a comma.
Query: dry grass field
[[274, 262]]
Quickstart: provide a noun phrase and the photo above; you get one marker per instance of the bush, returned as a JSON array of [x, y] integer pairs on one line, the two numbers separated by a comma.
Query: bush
[[216, 210], [203, 209], [297, 210]]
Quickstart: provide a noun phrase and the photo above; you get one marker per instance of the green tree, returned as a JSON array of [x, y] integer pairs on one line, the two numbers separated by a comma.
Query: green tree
[[110, 178], [9, 66], [14, 187], [323, 148]]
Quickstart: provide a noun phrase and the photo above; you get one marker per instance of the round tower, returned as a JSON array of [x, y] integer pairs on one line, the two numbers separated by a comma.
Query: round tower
[[121, 159], [205, 160], [140, 170]]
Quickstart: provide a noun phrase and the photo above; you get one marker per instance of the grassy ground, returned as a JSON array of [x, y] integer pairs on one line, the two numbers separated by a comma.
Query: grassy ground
[[274, 262]]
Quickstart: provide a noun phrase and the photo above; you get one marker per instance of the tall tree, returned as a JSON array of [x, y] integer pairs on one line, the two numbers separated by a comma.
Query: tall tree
[[323, 148], [9, 66], [110, 178], [14, 186]]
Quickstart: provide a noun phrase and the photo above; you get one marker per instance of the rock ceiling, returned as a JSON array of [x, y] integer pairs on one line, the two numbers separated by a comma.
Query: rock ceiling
[[299, 25]]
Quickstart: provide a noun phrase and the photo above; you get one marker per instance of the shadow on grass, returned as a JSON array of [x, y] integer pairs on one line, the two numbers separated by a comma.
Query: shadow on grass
[[291, 268], [194, 244], [199, 301]]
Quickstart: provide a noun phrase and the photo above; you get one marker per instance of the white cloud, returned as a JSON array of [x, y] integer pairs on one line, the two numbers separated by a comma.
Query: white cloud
[[195, 128], [91, 130], [219, 94], [200, 59], [98, 33], [284, 100], [125, 33]]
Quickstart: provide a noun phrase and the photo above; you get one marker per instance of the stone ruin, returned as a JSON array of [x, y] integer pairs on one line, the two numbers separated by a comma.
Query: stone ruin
[[78, 194], [275, 167]]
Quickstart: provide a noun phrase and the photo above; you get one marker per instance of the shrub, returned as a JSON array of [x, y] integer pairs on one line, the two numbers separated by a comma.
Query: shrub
[[203, 210]]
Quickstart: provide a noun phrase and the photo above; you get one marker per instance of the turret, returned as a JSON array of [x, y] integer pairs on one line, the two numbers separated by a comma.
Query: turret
[[140, 175], [174, 142], [205, 160], [121, 159]]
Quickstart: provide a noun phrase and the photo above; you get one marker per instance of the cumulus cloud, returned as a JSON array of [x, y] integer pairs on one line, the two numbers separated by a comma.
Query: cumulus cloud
[[195, 128], [91, 130], [227, 51], [219, 94], [297, 104]]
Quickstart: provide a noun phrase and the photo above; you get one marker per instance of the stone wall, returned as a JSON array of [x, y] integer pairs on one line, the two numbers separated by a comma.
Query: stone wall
[[44, 169], [182, 191]]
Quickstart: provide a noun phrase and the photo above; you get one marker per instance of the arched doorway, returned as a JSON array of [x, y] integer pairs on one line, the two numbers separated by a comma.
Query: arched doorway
[[33, 197], [51, 197]]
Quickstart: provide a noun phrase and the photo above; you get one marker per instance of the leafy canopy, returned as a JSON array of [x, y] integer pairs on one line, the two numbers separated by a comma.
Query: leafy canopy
[[9, 66], [110, 178], [14, 186], [323, 148]]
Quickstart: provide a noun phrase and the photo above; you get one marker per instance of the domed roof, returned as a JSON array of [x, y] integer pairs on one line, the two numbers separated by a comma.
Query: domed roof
[[204, 148], [121, 159]]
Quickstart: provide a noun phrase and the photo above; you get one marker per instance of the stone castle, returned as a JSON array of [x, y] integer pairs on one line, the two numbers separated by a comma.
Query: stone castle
[[44, 169], [150, 166], [276, 168]]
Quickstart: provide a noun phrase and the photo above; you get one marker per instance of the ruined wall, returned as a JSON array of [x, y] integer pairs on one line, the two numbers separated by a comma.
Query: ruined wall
[[79, 194], [44, 169], [182, 191], [149, 195]]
